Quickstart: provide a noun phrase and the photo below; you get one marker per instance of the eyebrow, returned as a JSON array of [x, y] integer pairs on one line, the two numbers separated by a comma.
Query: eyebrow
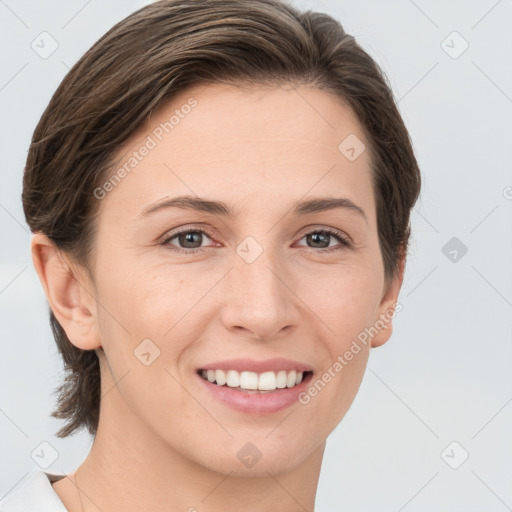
[[314, 205]]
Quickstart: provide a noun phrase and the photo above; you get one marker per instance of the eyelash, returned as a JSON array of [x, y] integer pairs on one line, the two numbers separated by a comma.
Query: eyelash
[[345, 244]]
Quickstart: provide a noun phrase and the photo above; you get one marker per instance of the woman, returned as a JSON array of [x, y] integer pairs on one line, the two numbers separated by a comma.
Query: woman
[[220, 195]]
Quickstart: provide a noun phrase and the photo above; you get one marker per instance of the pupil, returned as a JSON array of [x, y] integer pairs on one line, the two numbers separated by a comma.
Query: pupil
[[316, 236], [189, 237]]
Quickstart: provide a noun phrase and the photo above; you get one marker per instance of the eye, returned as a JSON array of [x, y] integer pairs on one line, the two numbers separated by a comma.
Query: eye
[[190, 240], [320, 237]]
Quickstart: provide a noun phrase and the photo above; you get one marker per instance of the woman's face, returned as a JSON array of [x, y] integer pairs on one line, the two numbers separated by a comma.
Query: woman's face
[[252, 283]]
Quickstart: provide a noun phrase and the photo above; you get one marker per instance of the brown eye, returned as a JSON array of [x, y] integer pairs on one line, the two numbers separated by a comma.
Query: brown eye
[[320, 239], [190, 239]]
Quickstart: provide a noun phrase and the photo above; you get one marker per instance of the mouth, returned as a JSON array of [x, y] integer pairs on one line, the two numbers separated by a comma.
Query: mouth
[[253, 382]]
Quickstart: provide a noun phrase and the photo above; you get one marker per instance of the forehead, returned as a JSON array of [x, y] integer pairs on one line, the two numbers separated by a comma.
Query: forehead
[[268, 142]]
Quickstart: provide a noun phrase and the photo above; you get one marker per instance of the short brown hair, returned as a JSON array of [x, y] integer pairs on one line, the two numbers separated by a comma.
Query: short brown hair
[[146, 59]]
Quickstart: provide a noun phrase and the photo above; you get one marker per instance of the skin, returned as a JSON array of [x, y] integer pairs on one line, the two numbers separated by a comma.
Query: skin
[[163, 442]]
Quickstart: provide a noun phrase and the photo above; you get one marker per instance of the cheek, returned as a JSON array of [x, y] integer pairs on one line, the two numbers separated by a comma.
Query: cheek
[[344, 299], [141, 298], [166, 306], [345, 303], [144, 329]]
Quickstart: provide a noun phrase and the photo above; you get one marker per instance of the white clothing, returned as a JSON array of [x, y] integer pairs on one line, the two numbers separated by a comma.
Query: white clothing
[[34, 494]]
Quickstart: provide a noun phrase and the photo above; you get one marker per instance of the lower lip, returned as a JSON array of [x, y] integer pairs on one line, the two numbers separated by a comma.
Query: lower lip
[[256, 403]]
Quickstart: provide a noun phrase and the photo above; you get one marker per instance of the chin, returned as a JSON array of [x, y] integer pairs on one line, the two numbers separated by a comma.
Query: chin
[[247, 456]]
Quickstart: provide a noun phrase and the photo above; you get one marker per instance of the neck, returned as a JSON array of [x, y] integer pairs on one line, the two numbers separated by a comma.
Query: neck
[[131, 468]]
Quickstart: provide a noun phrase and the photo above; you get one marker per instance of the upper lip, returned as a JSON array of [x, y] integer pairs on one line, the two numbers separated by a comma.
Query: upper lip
[[251, 365]]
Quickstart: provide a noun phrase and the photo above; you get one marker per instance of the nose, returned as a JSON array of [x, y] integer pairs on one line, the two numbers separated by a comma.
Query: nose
[[259, 299]]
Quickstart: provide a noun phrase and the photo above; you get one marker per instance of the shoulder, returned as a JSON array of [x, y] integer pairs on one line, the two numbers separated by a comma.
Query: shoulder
[[33, 494]]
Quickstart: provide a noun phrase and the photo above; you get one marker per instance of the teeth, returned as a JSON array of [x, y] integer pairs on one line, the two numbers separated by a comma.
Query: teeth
[[249, 380], [266, 381], [233, 380], [220, 377]]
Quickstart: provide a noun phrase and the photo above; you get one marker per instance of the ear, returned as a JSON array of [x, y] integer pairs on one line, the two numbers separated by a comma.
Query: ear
[[69, 292], [388, 307]]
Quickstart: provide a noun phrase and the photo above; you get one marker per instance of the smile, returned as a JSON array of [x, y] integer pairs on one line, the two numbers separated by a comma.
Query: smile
[[252, 381]]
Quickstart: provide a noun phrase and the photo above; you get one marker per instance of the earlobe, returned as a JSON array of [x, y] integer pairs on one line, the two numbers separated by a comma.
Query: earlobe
[[68, 292], [388, 307]]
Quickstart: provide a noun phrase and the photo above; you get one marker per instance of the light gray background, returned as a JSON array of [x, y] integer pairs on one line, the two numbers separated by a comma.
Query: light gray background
[[446, 373]]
